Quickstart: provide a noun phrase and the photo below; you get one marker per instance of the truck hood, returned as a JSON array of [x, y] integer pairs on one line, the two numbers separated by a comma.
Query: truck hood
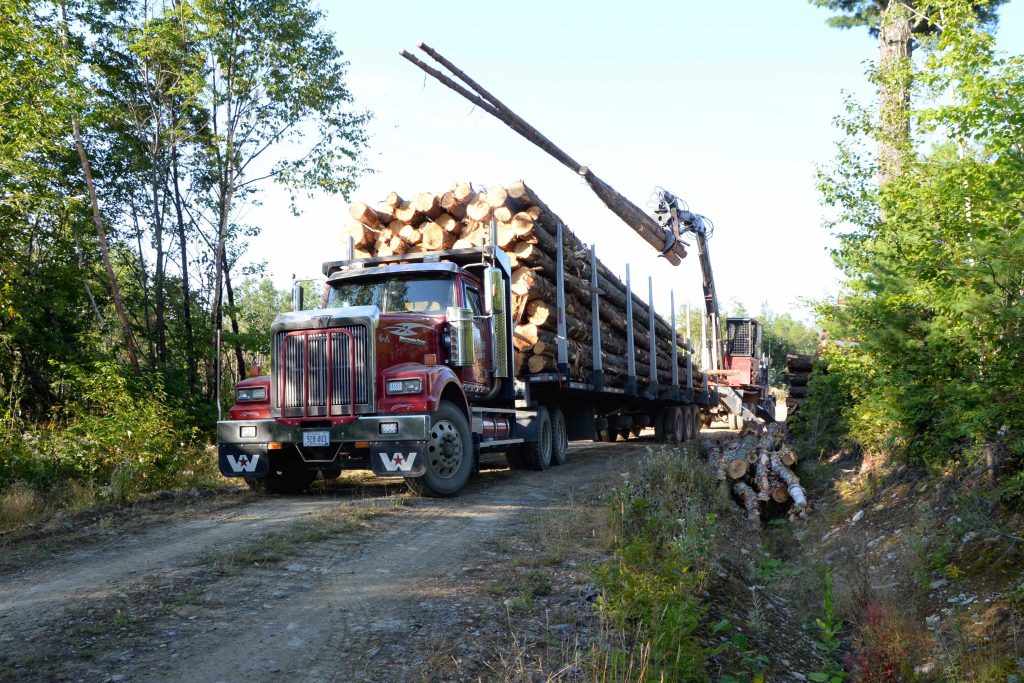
[[407, 337], [322, 318]]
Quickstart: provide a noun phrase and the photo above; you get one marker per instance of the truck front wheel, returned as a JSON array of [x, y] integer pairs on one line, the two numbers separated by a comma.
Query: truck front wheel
[[449, 454]]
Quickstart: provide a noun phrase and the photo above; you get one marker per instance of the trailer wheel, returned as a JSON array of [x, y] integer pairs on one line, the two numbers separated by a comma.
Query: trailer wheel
[[559, 437], [695, 420], [449, 454], [674, 425], [287, 476], [535, 455]]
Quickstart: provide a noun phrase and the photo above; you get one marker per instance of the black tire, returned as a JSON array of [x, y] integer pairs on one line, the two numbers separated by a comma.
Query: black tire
[[696, 420], [287, 476], [659, 425], [559, 437], [449, 454], [624, 433], [606, 435], [535, 455], [674, 425]]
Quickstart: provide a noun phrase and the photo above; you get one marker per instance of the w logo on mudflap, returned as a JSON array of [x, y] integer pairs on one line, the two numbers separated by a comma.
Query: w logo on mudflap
[[243, 462], [398, 462]]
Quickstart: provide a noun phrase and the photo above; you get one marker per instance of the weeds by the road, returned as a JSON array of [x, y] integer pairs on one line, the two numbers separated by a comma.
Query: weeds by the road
[[664, 523]]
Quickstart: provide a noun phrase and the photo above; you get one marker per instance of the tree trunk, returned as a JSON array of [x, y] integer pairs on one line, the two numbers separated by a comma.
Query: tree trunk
[[233, 314], [101, 234], [158, 242], [894, 73], [190, 349]]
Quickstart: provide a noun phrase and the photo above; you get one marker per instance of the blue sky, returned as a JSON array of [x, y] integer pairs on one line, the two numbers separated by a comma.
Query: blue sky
[[729, 105]]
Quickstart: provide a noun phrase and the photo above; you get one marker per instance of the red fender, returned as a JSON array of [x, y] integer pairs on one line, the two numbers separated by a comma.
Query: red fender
[[436, 379]]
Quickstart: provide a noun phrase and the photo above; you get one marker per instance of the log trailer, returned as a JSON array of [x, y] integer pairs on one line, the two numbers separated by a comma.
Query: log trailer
[[407, 369]]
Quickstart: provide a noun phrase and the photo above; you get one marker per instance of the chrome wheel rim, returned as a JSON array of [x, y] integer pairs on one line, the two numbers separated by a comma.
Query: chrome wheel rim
[[444, 449]]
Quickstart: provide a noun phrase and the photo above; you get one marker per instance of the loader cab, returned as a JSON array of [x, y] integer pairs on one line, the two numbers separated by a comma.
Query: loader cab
[[743, 337]]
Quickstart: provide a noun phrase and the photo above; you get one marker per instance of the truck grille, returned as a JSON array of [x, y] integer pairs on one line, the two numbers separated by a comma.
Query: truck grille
[[322, 373]]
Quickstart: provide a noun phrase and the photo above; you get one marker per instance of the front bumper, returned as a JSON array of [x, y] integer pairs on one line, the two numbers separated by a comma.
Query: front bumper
[[399, 453]]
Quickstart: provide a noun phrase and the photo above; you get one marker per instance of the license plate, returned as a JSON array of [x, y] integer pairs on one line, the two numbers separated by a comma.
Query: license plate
[[316, 438]]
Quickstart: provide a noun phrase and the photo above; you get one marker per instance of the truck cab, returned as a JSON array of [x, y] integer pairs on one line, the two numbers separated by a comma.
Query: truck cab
[[404, 369]]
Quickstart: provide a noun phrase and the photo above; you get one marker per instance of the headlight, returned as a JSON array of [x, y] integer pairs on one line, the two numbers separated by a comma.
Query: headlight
[[405, 386], [249, 394]]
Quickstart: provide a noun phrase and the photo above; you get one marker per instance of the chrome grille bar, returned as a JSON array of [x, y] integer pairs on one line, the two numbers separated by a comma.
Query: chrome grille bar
[[323, 371]]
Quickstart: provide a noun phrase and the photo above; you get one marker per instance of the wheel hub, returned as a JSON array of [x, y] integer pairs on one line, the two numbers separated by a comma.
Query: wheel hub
[[444, 450]]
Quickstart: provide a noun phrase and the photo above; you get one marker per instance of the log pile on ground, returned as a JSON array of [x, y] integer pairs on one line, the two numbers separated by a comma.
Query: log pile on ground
[[526, 231], [758, 469], [798, 374]]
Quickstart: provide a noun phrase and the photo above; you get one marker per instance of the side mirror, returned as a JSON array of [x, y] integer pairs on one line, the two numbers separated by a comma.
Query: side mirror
[[297, 296], [460, 332]]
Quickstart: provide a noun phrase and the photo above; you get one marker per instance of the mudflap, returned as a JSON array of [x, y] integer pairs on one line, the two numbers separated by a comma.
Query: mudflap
[[398, 458], [238, 460]]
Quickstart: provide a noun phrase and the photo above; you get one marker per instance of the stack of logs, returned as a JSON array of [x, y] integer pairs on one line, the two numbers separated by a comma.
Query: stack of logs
[[758, 469], [526, 231], [798, 374]]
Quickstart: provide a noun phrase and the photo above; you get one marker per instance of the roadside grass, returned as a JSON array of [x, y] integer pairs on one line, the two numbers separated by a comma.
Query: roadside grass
[[664, 526], [635, 554]]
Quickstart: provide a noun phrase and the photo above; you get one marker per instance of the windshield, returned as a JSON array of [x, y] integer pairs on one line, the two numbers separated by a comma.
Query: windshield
[[418, 294]]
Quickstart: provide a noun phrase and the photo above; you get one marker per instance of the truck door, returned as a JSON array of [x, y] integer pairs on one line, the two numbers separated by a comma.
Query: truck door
[[480, 372]]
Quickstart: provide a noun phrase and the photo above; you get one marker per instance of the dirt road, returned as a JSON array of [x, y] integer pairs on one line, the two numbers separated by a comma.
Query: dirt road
[[354, 582]]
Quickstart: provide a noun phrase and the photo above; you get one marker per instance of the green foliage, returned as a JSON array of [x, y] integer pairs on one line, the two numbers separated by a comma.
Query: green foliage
[[783, 335], [931, 318], [822, 423], [176, 103], [652, 588], [257, 303], [829, 625], [750, 665], [120, 432]]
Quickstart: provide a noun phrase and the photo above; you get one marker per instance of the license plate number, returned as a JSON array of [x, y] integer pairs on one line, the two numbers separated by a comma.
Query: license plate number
[[316, 438]]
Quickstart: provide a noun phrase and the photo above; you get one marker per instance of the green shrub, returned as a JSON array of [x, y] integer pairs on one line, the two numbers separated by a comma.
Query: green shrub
[[122, 434], [652, 589]]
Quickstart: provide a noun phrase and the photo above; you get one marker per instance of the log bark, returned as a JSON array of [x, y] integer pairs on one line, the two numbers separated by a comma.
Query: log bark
[[749, 499], [793, 487]]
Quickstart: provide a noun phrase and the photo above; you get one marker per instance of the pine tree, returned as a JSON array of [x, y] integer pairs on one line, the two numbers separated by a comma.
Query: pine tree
[[897, 25]]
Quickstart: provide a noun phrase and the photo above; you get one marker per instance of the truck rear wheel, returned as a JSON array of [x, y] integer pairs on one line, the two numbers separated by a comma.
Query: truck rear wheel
[[535, 455], [674, 425], [559, 437], [695, 420], [449, 454]]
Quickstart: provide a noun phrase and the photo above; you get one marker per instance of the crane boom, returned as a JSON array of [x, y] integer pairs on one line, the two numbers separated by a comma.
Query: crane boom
[[635, 217], [672, 214]]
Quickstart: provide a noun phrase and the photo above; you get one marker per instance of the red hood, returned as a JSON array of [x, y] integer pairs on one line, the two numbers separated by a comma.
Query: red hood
[[406, 338]]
